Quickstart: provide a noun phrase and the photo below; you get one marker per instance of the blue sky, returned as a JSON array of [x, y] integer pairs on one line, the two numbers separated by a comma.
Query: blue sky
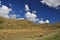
[[43, 11]]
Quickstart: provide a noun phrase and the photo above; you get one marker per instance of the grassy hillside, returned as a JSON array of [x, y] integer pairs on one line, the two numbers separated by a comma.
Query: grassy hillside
[[12, 29], [51, 36], [27, 34], [20, 24], [15, 24]]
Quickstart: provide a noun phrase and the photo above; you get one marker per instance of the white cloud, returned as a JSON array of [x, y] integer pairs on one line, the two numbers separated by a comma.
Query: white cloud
[[43, 22], [27, 8], [47, 21], [51, 3], [33, 11], [6, 16], [21, 18], [4, 11], [13, 16], [31, 16]]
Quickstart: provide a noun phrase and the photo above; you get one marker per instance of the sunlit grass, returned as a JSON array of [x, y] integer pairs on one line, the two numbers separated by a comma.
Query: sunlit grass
[[12, 29]]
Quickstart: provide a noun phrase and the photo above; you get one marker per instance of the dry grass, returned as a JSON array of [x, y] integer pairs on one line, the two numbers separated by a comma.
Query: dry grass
[[12, 29], [23, 34]]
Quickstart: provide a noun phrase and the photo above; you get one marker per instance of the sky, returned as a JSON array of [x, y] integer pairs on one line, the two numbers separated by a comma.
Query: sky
[[33, 10]]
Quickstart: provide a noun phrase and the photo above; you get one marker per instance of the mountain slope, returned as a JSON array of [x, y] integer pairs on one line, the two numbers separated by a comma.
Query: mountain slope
[[20, 24], [14, 24], [12, 29]]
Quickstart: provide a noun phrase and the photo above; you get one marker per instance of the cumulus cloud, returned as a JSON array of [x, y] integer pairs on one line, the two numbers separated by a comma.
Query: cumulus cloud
[[13, 16], [51, 3], [6, 16], [31, 16], [47, 21], [34, 12], [43, 22], [27, 8], [21, 18], [4, 11]]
